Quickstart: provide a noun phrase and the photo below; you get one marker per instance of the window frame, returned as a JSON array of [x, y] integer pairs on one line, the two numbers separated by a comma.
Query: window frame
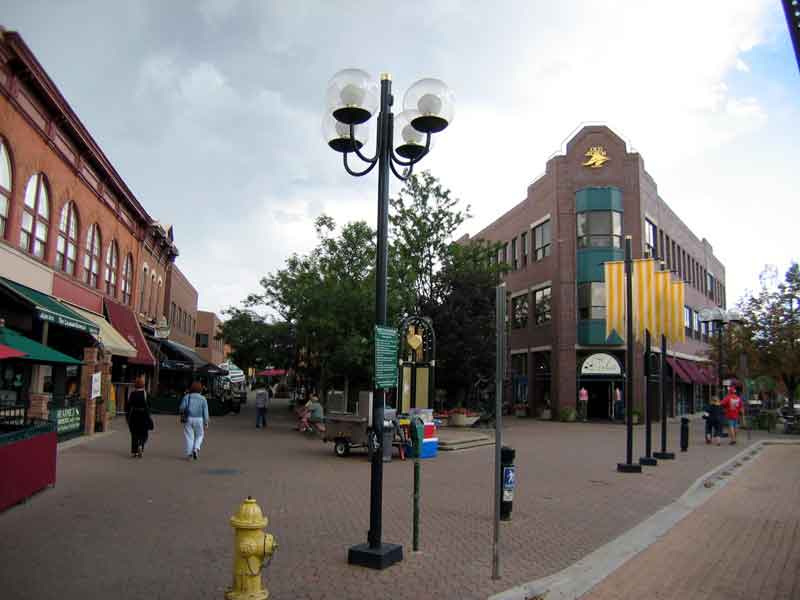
[[591, 310], [523, 237], [520, 311], [541, 247], [593, 239], [92, 256], [127, 289], [110, 273], [650, 239], [29, 240], [5, 193], [543, 316], [68, 239]]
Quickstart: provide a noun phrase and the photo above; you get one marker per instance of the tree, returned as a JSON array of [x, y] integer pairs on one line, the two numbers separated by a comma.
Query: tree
[[257, 342]]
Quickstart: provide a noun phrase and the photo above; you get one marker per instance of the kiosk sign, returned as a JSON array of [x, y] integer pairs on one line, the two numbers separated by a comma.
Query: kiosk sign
[[387, 342]]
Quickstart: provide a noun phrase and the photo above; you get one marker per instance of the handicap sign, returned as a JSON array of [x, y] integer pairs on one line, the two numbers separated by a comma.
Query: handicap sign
[[509, 483]]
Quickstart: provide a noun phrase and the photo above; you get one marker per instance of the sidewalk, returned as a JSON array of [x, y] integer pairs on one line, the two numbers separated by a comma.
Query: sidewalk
[[742, 543]]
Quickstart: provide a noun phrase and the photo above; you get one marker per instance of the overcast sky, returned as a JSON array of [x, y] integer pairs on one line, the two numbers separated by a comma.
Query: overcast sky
[[211, 111]]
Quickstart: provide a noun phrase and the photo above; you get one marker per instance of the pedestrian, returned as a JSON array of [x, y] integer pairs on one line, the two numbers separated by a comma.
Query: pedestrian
[[193, 413], [262, 396], [137, 414], [732, 404], [713, 419]]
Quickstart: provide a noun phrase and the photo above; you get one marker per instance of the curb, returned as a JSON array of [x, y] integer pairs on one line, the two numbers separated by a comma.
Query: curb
[[79, 441], [580, 577]]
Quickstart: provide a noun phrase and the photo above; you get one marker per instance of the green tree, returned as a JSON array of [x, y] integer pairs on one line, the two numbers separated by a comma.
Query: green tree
[[256, 341]]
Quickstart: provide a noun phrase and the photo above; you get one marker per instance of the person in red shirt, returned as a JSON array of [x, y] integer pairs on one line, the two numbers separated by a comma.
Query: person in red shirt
[[733, 406]]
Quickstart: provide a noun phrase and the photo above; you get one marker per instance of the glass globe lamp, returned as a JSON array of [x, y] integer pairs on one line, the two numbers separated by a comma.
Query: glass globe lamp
[[409, 141], [435, 103], [352, 96], [337, 135]]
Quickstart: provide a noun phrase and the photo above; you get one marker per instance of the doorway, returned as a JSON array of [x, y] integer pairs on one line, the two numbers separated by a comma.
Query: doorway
[[601, 394]]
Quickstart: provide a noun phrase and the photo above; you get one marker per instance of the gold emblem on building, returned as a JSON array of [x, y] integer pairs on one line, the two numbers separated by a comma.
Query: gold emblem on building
[[597, 157]]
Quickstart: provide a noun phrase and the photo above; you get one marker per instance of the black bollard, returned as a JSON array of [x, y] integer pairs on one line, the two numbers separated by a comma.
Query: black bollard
[[684, 434], [509, 481]]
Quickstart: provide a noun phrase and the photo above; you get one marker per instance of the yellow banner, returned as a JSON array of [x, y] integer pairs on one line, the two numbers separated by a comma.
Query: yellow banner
[[644, 297], [615, 298], [678, 331], [663, 287]]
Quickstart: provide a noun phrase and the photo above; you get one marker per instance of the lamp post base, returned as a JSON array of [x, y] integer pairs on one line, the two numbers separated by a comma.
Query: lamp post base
[[629, 468], [648, 461], [375, 558], [664, 455]]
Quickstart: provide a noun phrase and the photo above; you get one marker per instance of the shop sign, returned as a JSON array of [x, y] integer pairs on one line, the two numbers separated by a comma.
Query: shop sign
[[68, 420], [509, 483], [65, 322], [601, 364], [96, 379], [387, 342]]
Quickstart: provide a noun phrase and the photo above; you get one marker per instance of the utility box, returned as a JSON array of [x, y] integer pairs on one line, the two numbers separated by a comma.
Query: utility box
[[365, 405]]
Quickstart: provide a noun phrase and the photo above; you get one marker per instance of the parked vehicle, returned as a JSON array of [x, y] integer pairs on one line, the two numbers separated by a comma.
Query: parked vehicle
[[235, 386]]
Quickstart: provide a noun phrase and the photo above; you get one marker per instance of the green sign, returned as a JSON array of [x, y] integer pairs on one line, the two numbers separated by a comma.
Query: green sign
[[386, 346], [68, 420]]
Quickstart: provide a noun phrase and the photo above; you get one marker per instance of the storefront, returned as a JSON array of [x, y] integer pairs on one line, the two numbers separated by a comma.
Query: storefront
[[179, 366], [124, 372], [601, 380]]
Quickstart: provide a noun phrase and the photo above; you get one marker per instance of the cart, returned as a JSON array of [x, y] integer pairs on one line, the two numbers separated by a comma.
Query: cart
[[346, 431]]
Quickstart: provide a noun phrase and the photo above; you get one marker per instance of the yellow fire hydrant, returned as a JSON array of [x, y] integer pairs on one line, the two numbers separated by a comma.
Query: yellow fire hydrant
[[252, 547]]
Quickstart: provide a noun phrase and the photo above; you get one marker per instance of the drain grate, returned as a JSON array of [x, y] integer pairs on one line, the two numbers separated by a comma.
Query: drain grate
[[223, 471]]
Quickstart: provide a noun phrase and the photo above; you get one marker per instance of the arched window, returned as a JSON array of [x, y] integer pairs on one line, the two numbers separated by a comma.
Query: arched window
[[67, 244], [5, 186], [91, 258], [111, 269], [142, 307], [153, 297], [158, 298], [127, 275], [35, 217]]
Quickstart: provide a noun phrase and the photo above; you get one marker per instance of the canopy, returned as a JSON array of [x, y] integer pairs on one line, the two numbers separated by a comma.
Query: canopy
[[8, 352], [235, 374], [189, 359], [271, 373], [33, 351], [48, 308], [111, 339], [126, 324], [692, 371], [678, 369]]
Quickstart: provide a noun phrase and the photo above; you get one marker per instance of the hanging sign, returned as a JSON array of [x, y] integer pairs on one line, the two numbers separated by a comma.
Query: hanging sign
[[96, 378], [601, 364], [386, 346]]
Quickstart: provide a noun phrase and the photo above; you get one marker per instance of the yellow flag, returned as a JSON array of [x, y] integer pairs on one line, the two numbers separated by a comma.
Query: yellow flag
[[615, 298], [644, 297], [678, 300], [663, 286]]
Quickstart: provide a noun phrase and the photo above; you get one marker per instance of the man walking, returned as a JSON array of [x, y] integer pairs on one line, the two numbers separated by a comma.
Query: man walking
[[261, 406], [732, 405]]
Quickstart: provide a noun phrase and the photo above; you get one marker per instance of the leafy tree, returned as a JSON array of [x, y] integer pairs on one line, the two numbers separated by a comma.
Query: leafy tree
[[257, 342]]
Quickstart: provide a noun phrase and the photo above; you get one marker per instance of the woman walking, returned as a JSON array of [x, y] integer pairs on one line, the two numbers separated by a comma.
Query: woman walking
[[137, 414], [193, 413]]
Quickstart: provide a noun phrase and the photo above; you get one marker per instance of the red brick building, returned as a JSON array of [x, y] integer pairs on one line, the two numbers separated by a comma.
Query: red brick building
[[180, 307], [206, 343], [573, 219]]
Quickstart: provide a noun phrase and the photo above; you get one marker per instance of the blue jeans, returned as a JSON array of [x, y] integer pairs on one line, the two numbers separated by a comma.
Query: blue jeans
[[261, 416]]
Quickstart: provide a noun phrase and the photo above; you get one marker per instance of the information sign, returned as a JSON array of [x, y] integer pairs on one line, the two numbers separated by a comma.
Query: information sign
[[387, 342]]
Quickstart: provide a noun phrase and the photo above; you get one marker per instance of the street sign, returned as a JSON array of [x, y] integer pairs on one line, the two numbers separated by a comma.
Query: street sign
[[386, 346], [509, 483]]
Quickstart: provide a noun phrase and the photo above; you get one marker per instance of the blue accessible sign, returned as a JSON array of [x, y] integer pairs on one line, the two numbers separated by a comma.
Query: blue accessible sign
[[509, 483]]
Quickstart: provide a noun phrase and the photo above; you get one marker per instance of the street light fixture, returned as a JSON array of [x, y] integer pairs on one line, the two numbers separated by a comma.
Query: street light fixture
[[352, 100], [720, 318]]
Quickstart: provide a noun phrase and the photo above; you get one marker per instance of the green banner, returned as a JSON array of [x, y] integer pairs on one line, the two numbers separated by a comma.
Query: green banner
[[386, 345]]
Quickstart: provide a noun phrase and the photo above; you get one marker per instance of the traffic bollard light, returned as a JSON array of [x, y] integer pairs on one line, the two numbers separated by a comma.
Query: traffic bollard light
[[684, 434], [509, 482]]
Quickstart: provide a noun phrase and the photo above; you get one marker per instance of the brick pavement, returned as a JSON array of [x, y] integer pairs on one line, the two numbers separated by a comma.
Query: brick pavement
[[742, 543], [158, 527]]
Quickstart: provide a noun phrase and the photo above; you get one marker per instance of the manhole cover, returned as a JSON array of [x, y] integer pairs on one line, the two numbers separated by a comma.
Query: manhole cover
[[223, 471]]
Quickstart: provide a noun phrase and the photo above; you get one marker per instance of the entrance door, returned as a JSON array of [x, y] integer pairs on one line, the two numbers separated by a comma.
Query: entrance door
[[600, 395]]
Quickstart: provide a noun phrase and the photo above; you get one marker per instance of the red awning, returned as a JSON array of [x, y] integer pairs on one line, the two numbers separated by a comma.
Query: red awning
[[692, 371], [709, 374], [271, 373], [8, 352], [125, 322], [678, 369]]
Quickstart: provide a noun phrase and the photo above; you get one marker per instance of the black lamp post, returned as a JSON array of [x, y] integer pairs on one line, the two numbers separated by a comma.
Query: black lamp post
[[353, 98], [720, 318]]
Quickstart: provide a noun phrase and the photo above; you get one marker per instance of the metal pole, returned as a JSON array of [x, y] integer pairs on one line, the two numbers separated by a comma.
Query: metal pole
[[647, 459], [500, 315], [662, 392], [628, 466], [721, 325], [416, 498]]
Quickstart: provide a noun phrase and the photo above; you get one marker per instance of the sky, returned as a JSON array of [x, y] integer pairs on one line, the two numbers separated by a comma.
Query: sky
[[211, 111]]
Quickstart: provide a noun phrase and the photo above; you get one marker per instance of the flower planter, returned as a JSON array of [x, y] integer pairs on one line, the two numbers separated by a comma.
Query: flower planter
[[30, 454], [462, 420]]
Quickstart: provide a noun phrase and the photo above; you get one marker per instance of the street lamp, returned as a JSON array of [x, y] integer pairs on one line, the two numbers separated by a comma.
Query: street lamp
[[352, 99], [719, 317]]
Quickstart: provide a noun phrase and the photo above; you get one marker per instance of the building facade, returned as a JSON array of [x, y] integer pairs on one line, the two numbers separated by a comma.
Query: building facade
[[180, 307], [206, 343], [573, 219]]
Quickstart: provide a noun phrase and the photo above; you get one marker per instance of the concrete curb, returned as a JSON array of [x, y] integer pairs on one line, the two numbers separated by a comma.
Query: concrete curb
[[84, 439], [580, 577]]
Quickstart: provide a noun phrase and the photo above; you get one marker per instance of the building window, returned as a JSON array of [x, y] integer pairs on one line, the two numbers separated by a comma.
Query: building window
[[541, 305], [687, 321], [519, 364], [705, 329], [600, 229], [505, 253], [710, 285], [524, 245], [650, 239], [202, 340], [514, 262], [153, 295], [172, 315], [127, 273], [661, 252], [5, 187], [111, 269], [67, 244], [91, 259], [697, 328], [541, 241], [519, 312], [142, 292], [35, 217], [592, 300]]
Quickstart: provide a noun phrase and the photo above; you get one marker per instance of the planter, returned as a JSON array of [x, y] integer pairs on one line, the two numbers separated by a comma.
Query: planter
[[546, 414], [520, 411], [462, 420], [30, 455]]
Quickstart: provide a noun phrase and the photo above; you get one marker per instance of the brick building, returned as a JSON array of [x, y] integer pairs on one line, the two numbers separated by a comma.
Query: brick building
[[72, 231], [206, 345], [180, 307], [573, 219]]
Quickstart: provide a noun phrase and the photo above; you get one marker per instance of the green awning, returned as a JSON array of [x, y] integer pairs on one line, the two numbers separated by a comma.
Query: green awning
[[34, 351], [49, 309]]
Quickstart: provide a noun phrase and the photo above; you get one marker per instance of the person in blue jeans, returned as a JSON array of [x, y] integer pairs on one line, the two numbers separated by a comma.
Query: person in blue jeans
[[262, 399], [196, 407]]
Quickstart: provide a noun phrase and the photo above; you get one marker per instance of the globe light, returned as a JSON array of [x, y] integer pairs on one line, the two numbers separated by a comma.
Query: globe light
[[337, 135], [434, 102], [410, 141], [352, 96]]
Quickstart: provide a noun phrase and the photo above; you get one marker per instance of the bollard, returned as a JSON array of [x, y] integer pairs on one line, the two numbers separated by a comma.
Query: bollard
[[684, 434], [252, 548], [509, 482]]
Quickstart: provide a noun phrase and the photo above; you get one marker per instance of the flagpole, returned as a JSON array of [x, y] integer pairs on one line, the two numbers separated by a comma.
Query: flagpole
[[629, 466], [662, 391], [647, 459]]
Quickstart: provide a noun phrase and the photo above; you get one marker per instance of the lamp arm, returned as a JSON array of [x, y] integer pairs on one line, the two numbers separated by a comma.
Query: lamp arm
[[372, 160], [402, 177], [409, 163], [357, 173]]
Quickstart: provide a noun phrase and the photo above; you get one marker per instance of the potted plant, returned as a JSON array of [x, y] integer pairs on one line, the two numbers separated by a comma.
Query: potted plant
[[568, 414], [461, 417], [637, 417], [521, 410]]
